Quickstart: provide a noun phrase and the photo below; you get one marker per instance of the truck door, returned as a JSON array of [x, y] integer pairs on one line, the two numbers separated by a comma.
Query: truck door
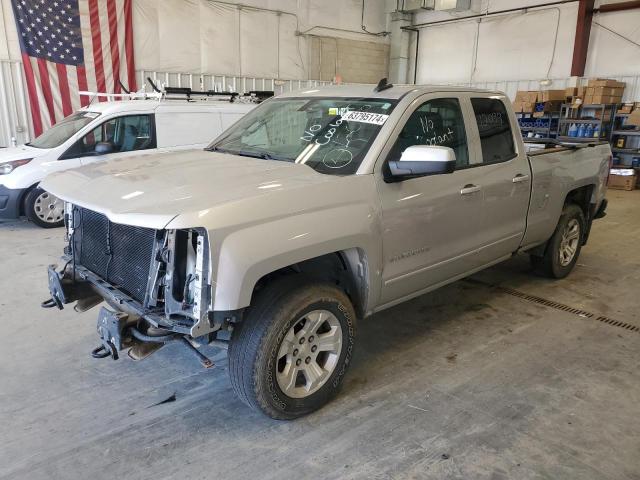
[[505, 178], [430, 224]]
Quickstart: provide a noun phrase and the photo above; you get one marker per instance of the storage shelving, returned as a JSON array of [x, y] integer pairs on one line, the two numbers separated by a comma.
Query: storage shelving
[[600, 117], [627, 155]]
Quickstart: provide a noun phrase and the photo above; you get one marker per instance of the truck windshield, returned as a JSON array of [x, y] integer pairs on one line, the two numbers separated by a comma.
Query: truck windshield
[[331, 135], [63, 130]]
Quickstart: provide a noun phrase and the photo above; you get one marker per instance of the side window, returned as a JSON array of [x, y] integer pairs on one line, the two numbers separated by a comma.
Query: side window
[[496, 137], [436, 122], [126, 134]]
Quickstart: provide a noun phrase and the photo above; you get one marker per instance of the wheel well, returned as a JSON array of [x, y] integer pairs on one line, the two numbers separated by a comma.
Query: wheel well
[[581, 197], [23, 198], [347, 269]]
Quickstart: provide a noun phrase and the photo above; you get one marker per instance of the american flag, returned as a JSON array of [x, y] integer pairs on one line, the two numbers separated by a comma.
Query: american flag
[[69, 46]]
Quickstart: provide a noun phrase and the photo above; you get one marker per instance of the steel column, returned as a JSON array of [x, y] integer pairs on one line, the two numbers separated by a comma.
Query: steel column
[[583, 31]]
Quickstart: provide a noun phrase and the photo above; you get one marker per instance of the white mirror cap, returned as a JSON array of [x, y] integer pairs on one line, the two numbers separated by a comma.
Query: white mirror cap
[[428, 153]]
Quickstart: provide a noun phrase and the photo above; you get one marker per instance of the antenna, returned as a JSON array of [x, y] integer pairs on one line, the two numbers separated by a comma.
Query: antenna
[[383, 85]]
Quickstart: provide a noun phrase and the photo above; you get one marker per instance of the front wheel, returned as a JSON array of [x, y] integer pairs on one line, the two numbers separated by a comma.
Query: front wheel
[[288, 356], [44, 209], [563, 248]]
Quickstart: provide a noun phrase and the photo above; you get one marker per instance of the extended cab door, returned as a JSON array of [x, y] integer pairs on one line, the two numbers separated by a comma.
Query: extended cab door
[[430, 224], [503, 173]]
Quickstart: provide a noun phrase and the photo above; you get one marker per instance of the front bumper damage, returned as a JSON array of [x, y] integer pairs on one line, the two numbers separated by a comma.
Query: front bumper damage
[[128, 327]]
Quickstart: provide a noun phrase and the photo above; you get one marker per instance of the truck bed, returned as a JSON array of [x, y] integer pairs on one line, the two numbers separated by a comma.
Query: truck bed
[[558, 169]]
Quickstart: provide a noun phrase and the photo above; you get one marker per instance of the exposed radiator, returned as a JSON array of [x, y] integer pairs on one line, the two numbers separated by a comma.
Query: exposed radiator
[[119, 254]]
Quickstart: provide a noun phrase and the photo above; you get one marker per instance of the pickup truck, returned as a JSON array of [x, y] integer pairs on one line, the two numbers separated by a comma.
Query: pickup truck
[[315, 209]]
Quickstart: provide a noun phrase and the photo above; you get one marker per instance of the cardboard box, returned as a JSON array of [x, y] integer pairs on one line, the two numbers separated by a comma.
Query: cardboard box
[[624, 179], [604, 82], [521, 96], [607, 91], [625, 108], [634, 118], [581, 91], [570, 92], [528, 107], [541, 108], [553, 95], [534, 96], [601, 100]]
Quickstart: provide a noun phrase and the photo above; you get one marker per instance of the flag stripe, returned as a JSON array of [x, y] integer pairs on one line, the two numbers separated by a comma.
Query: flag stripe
[[63, 80], [45, 82], [128, 41], [73, 45], [82, 85], [97, 46], [30, 80], [113, 41]]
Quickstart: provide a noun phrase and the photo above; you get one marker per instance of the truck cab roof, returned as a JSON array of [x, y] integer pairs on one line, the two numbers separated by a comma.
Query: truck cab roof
[[367, 91]]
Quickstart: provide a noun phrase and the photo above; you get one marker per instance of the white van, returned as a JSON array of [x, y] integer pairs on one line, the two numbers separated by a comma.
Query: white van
[[103, 131]]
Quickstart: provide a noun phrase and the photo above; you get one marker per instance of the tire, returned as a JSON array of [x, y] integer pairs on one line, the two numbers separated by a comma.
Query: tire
[[556, 261], [259, 371], [44, 209]]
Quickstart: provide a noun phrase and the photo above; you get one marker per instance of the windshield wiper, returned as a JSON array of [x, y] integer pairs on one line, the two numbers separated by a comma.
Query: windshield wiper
[[246, 153]]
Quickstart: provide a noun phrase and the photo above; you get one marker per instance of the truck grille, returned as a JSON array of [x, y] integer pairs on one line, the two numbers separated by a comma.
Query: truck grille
[[119, 254]]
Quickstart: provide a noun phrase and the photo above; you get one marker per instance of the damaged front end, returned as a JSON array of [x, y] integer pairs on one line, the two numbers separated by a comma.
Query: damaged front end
[[156, 283]]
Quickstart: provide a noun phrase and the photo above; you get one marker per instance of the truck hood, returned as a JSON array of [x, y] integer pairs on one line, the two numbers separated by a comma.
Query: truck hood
[[22, 152], [151, 190]]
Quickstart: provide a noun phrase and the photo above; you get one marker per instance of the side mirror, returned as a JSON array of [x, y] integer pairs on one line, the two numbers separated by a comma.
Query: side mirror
[[422, 160], [102, 148]]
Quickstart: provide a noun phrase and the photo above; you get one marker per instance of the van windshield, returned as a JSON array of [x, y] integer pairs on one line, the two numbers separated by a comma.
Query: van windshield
[[331, 135], [63, 130]]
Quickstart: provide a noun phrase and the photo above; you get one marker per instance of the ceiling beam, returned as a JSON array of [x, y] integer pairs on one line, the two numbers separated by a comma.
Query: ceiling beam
[[618, 7]]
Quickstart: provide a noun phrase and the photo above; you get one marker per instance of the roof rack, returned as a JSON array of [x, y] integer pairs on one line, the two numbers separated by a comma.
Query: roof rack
[[181, 93]]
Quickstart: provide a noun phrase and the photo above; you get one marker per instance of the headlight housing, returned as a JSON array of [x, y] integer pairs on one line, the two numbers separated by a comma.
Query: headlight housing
[[8, 167]]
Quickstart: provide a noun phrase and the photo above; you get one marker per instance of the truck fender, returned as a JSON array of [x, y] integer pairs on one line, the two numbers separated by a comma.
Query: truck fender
[[247, 255]]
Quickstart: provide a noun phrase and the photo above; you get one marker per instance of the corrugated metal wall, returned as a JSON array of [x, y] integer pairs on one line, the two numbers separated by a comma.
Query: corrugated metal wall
[[225, 83], [15, 122], [14, 117]]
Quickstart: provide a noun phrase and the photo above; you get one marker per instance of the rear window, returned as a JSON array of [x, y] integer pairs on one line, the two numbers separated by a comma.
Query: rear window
[[496, 137]]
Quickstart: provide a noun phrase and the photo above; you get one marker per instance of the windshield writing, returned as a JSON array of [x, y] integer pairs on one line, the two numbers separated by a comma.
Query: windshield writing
[[331, 135]]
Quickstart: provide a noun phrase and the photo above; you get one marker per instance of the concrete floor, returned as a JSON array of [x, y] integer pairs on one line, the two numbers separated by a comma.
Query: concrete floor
[[469, 382]]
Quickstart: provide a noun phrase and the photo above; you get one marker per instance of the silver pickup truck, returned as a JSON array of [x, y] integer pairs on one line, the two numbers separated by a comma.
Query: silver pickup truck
[[317, 208]]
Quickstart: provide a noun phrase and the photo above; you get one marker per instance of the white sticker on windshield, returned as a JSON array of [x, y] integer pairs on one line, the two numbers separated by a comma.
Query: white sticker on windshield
[[365, 117]]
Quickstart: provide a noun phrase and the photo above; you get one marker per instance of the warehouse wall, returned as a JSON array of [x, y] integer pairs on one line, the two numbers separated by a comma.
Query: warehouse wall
[[223, 38], [534, 45]]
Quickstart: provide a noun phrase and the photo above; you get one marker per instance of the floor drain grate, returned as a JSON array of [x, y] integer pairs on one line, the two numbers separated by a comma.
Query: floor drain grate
[[558, 306]]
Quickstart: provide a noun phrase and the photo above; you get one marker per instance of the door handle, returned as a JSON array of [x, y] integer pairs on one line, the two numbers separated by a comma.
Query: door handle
[[469, 189], [519, 178]]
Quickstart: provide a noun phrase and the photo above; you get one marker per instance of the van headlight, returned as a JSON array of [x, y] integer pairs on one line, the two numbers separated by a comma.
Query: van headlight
[[8, 167]]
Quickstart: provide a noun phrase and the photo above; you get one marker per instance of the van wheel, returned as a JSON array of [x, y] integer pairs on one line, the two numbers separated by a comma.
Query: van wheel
[[288, 356], [563, 248], [44, 209]]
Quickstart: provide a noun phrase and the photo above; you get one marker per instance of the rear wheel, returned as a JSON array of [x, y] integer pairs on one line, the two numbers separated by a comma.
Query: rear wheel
[[44, 209], [288, 356], [563, 248]]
